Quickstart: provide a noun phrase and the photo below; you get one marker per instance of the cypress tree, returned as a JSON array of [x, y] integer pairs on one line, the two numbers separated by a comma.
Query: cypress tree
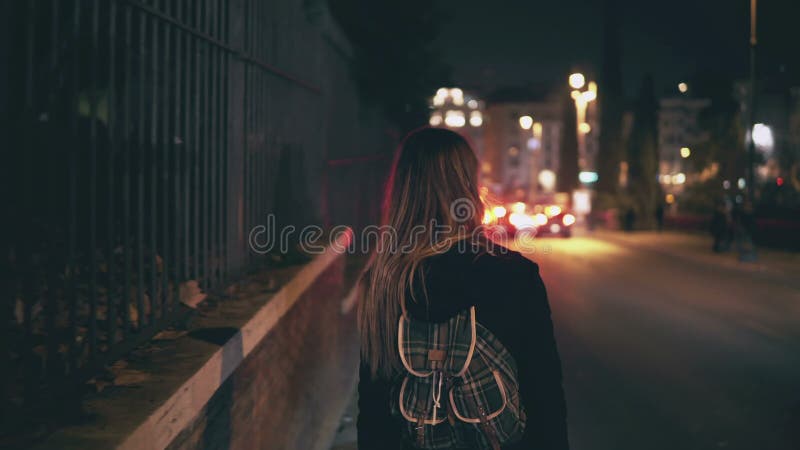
[[567, 179], [610, 104], [642, 154]]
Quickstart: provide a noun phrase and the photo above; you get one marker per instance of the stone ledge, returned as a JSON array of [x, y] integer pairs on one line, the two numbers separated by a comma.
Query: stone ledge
[[186, 375]]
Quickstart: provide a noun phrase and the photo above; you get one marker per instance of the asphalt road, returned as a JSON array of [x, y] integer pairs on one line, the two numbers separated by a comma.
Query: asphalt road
[[665, 352]]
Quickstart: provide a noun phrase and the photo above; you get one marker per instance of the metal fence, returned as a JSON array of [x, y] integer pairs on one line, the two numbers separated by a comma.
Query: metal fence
[[145, 139]]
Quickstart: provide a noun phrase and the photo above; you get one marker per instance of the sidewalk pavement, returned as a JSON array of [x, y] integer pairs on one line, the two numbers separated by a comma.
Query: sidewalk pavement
[[347, 435], [697, 247]]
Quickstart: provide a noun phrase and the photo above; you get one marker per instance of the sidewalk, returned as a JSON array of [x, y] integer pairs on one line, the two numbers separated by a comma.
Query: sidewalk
[[347, 434], [697, 247]]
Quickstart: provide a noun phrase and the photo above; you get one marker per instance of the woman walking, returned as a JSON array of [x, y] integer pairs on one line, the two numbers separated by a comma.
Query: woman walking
[[457, 345]]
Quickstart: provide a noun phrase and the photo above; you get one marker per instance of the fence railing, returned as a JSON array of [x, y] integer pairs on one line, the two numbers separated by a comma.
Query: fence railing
[[146, 138]]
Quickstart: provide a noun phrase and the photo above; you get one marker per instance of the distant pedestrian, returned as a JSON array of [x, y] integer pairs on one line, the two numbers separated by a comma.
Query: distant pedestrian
[[745, 228], [451, 328], [719, 228], [748, 219], [660, 216], [630, 219]]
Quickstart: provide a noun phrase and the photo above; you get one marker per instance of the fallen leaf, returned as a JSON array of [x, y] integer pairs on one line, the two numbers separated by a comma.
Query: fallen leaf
[[130, 377], [169, 335], [99, 385], [119, 365], [190, 293]]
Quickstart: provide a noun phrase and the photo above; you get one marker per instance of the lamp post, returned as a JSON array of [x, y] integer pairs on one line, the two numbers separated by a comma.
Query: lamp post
[[751, 146], [582, 99], [747, 250], [534, 143]]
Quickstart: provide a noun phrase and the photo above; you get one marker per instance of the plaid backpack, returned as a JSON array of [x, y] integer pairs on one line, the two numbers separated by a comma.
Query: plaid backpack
[[460, 389]]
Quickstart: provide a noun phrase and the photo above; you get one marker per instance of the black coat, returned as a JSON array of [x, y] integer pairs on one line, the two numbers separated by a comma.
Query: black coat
[[510, 301]]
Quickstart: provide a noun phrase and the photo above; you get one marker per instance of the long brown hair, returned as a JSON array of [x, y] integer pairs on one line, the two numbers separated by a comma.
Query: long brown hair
[[433, 181]]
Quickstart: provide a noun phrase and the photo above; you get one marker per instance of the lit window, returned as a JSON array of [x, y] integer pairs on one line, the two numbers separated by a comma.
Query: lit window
[[454, 119], [476, 118]]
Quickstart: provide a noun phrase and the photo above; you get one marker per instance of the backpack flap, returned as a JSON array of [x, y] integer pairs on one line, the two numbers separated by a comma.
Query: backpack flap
[[446, 347], [484, 398], [416, 402]]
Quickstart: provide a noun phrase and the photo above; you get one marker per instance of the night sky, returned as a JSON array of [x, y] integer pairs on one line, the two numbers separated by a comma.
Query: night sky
[[491, 44]]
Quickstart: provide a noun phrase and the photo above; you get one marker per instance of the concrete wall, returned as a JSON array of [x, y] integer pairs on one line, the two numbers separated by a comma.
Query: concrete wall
[[288, 393]]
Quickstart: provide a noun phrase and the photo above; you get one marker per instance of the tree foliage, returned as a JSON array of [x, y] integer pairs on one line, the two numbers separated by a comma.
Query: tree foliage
[[610, 102], [643, 154], [721, 128]]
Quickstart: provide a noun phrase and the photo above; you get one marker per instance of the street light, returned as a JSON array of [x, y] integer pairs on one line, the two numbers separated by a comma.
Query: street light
[[534, 142], [537, 130], [685, 152], [762, 136], [547, 178], [577, 80]]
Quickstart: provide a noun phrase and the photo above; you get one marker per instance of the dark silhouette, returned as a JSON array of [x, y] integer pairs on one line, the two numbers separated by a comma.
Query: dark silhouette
[[630, 219], [660, 216], [719, 229], [567, 179], [643, 153], [744, 225], [610, 101]]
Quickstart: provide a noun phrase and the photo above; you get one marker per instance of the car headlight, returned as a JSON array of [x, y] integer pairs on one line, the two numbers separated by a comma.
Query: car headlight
[[520, 220]]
